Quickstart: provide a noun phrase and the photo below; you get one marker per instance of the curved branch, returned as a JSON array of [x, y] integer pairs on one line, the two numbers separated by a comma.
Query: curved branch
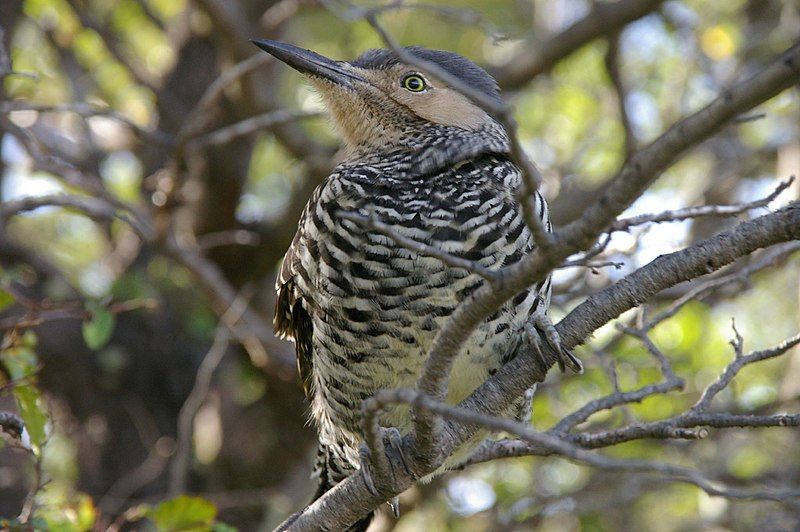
[[535, 58]]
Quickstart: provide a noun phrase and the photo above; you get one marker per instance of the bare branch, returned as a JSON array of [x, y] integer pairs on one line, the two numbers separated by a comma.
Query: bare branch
[[250, 125], [258, 333], [96, 208], [257, 337], [623, 224], [87, 110], [687, 426], [202, 382], [738, 363], [769, 258], [612, 59], [565, 448], [238, 237], [113, 44], [690, 424], [620, 398], [668, 270], [593, 266], [462, 15]]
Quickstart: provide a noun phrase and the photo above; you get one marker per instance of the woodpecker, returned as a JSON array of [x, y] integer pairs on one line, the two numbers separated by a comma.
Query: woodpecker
[[362, 310]]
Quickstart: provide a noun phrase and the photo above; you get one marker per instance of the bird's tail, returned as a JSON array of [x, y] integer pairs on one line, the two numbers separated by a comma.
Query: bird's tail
[[328, 472]]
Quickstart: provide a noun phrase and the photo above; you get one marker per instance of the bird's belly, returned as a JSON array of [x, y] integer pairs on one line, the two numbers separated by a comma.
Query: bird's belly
[[377, 337], [376, 309]]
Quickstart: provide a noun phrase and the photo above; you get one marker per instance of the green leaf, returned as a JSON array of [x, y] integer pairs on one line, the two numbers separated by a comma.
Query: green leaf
[[32, 413], [97, 331], [184, 513], [20, 361], [6, 299]]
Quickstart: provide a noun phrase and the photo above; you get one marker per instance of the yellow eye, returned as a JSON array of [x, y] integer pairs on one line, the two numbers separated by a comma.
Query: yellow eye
[[414, 83]]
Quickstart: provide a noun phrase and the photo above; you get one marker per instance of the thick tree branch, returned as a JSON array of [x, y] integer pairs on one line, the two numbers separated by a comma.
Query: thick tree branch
[[668, 270]]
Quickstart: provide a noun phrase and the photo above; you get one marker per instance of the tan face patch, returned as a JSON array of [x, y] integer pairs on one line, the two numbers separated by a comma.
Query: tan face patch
[[437, 103]]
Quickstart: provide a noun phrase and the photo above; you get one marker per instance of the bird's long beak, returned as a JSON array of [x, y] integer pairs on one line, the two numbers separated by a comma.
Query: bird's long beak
[[309, 62]]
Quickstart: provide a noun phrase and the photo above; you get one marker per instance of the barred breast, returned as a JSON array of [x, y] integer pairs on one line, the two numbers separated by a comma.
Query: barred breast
[[374, 307]]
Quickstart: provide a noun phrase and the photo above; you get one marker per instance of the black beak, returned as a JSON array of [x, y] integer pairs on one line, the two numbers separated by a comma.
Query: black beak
[[308, 62]]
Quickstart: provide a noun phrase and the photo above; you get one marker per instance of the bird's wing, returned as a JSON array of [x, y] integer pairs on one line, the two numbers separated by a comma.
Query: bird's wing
[[291, 319]]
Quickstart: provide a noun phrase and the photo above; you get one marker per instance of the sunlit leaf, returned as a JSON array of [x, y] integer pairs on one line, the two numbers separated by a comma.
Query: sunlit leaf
[[19, 361], [87, 513], [6, 299], [184, 513], [98, 329], [31, 410], [718, 42]]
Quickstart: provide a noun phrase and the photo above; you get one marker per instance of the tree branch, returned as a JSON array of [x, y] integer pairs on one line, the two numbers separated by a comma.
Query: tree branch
[[536, 58], [623, 224]]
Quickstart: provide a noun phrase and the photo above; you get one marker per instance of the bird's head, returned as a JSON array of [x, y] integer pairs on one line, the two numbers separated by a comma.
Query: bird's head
[[379, 104]]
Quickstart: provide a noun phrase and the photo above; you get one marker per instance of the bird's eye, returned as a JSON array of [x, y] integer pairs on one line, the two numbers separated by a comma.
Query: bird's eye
[[414, 83]]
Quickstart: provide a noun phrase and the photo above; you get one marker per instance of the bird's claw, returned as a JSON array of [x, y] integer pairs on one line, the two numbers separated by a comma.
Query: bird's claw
[[394, 504], [542, 327], [365, 467], [393, 447], [393, 437]]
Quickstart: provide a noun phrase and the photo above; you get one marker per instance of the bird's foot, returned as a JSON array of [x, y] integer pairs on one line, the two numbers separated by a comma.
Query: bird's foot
[[394, 504], [543, 328], [393, 447]]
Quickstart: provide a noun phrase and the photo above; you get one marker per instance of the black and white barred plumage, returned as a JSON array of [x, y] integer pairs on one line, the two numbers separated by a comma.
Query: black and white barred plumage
[[362, 310]]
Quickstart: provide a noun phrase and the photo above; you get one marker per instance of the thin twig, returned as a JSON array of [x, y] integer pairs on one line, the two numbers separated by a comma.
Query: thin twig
[[612, 63], [737, 364], [566, 449], [462, 15], [197, 120], [678, 215], [87, 110], [93, 207], [250, 125], [769, 258], [202, 383]]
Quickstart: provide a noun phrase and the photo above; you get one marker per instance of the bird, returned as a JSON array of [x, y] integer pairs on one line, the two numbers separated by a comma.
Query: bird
[[434, 167]]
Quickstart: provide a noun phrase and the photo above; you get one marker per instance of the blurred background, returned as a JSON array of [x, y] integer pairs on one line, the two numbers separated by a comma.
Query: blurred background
[[164, 109]]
